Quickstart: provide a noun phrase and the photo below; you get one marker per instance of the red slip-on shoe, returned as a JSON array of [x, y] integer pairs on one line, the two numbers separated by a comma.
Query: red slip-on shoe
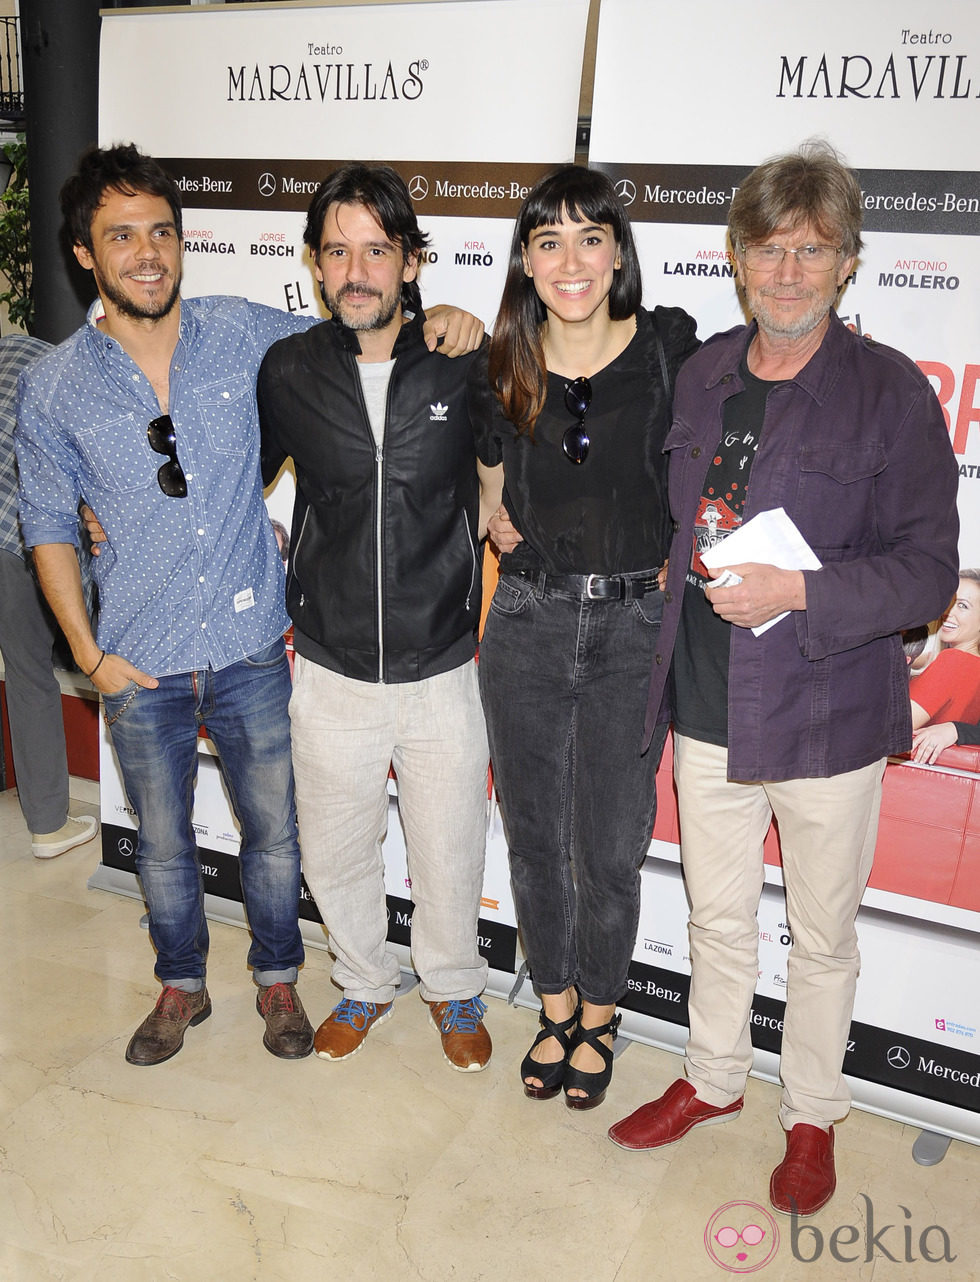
[[668, 1119], [805, 1179]]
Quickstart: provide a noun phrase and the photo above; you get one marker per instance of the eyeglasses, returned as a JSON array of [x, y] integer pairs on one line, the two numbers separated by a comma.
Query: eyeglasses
[[163, 440], [575, 442], [810, 258]]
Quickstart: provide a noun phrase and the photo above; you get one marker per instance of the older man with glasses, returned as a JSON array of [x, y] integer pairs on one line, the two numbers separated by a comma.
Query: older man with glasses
[[797, 412]]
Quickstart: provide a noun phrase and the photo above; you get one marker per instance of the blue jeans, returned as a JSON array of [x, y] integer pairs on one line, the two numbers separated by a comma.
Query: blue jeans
[[154, 733], [564, 684]]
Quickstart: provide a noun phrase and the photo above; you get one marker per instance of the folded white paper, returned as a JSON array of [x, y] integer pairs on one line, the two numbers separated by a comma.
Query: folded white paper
[[770, 538]]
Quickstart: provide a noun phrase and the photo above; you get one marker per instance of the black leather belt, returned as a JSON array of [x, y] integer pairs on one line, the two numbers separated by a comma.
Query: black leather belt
[[595, 587]]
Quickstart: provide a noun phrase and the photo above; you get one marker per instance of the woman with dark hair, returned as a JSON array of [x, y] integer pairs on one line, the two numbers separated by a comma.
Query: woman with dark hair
[[582, 376]]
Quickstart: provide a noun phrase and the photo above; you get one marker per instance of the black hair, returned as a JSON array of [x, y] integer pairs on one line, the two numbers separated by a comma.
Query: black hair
[[123, 168], [517, 367], [382, 190]]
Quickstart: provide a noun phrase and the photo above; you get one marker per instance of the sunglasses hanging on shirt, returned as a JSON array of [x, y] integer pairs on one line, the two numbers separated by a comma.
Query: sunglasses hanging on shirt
[[162, 436], [575, 441]]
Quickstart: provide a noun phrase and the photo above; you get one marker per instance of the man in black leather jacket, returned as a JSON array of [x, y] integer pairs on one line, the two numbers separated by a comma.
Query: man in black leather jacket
[[384, 587]]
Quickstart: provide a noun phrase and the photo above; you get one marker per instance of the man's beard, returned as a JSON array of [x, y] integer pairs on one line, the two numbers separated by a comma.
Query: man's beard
[[387, 307], [126, 306], [765, 308]]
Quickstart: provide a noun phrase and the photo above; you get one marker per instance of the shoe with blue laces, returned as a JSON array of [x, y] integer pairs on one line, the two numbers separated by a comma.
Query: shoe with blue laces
[[465, 1042], [343, 1032]]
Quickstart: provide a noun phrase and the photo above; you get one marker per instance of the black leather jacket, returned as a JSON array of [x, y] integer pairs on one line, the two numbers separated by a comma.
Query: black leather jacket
[[384, 577]]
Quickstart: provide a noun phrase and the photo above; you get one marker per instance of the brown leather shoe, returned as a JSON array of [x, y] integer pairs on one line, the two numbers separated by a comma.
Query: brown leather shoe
[[343, 1032], [805, 1179], [668, 1119], [465, 1042], [161, 1034], [288, 1033]]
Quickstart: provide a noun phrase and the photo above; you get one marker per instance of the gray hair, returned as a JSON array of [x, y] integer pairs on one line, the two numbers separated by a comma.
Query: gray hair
[[812, 185]]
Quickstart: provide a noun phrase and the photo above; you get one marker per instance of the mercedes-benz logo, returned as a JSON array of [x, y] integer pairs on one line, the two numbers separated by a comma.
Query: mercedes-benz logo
[[626, 191], [899, 1057], [267, 185], [125, 847], [418, 188]]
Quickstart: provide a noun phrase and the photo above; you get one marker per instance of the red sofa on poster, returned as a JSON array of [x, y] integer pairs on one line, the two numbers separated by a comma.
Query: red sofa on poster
[[929, 834]]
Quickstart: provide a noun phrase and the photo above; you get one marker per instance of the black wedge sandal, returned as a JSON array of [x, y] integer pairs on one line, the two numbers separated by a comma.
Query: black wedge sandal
[[594, 1084], [550, 1076]]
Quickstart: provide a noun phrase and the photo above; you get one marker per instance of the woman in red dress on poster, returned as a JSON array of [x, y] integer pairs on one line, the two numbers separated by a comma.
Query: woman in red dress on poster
[[949, 688]]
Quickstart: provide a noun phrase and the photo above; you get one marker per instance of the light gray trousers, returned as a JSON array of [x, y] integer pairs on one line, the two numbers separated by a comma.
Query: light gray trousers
[[37, 730], [345, 734]]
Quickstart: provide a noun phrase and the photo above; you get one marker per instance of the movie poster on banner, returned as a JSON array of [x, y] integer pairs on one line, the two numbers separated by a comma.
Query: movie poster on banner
[[250, 109], [683, 110]]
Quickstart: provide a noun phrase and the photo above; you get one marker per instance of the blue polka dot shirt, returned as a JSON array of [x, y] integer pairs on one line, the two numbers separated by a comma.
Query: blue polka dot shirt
[[184, 583]]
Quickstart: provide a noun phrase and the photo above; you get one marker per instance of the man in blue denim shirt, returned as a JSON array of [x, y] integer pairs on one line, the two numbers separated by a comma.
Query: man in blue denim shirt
[[148, 414]]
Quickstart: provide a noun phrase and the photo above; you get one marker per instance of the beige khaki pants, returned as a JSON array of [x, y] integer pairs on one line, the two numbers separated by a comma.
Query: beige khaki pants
[[827, 830]]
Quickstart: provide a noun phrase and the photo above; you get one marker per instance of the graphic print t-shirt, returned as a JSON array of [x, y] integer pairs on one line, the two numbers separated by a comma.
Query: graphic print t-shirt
[[700, 670]]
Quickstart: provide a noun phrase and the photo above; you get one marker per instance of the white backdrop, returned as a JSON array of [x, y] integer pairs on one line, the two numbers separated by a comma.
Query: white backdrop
[[472, 102]]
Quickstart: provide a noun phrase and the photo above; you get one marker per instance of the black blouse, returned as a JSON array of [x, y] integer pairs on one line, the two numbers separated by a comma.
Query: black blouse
[[606, 515]]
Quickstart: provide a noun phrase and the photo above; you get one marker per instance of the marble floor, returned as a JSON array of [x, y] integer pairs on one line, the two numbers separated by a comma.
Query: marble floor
[[227, 1165]]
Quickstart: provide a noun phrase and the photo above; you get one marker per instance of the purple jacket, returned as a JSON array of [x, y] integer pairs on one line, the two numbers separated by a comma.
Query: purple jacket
[[857, 451]]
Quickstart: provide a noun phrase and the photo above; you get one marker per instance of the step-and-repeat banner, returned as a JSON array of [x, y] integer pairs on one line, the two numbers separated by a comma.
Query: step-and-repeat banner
[[694, 99], [686, 103]]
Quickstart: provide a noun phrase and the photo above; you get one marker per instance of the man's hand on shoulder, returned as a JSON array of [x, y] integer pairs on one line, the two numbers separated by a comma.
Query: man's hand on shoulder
[[451, 330]]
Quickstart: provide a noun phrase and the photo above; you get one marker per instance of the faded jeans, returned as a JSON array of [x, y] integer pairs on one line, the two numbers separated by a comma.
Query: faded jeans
[[155, 734]]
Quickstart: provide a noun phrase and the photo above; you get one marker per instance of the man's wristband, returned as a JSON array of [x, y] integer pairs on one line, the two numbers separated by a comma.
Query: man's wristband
[[89, 675]]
